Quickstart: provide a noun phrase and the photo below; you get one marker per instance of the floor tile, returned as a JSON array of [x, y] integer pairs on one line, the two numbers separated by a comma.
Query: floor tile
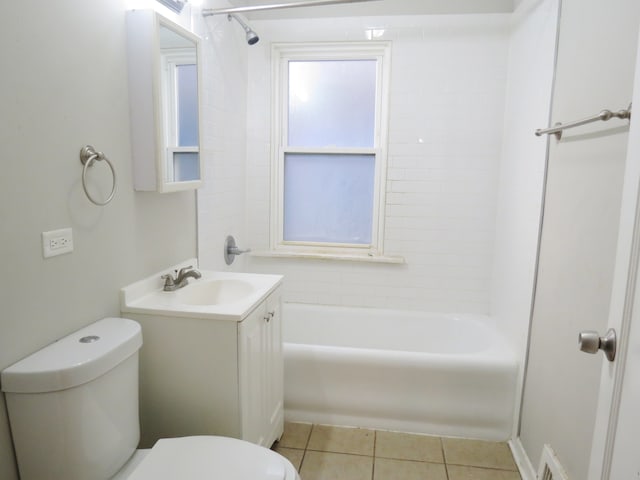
[[335, 466], [296, 435], [292, 454], [388, 469], [357, 441], [457, 472], [406, 446], [478, 453]]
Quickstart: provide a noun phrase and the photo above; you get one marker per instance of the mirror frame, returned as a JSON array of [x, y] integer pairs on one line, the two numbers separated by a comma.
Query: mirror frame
[[149, 149]]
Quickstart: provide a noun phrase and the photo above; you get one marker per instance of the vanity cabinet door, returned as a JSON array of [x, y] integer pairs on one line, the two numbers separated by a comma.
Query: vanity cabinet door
[[261, 373], [274, 381], [251, 350]]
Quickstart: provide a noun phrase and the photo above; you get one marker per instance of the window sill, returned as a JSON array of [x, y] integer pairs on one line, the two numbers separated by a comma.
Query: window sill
[[349, 257]]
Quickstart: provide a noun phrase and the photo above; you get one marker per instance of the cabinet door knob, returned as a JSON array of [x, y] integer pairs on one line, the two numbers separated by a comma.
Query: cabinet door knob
[[269, 315]]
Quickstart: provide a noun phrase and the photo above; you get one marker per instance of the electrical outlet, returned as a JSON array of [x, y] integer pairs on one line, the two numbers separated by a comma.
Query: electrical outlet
[[57, 242]]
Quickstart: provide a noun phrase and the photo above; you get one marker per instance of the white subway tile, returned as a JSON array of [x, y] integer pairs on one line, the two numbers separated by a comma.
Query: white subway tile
[[447, 98]]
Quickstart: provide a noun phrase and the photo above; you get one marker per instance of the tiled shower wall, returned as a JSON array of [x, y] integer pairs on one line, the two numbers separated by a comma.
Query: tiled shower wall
[[221, 201], [445, 134]]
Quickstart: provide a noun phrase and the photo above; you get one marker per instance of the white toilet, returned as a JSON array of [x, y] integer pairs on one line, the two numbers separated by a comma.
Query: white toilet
[[73, 409]]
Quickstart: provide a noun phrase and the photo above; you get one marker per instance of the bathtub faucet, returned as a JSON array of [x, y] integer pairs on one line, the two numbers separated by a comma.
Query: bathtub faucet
[[171, 284]]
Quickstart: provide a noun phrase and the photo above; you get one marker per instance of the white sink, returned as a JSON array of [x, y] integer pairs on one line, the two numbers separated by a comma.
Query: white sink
[[214, 292], [218, 295]]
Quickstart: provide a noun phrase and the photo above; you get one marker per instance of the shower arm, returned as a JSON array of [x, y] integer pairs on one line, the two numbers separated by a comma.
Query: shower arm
[[239, 20], [256, 8]]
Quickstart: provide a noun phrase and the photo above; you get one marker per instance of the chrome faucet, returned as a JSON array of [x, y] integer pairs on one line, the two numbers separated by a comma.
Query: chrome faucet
[[171, 284]]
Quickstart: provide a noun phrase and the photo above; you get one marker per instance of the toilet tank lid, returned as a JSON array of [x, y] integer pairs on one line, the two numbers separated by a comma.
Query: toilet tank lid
[[75, 359]]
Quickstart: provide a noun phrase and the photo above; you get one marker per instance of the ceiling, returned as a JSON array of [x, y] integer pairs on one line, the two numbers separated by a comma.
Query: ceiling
[[378, 7]]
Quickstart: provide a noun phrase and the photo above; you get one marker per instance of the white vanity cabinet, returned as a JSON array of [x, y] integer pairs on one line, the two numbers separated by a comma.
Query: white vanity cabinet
[[208, 376]]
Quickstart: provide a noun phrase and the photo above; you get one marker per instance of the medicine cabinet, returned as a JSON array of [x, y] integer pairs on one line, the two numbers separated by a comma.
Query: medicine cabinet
[[164, 79]]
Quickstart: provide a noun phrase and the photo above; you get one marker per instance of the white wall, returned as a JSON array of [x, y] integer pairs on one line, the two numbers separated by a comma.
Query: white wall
[[63, 85], [446, 117], [522, 169], [579, 232]]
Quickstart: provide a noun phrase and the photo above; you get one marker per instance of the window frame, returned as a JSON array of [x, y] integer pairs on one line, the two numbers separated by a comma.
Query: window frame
[[282, 54], [170, 61]]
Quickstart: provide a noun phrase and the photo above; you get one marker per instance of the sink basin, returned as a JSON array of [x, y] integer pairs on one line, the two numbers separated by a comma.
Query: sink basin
[[214, 292], [215, 295]]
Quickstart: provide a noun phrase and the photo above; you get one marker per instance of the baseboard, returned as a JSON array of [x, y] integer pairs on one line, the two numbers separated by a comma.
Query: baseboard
[[527, 472]]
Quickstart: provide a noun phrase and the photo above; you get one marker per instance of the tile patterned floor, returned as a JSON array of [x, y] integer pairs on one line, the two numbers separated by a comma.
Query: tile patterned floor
[[321, 452]]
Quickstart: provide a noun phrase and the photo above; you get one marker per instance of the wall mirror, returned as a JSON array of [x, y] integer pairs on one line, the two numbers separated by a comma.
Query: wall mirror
[[164, 80]]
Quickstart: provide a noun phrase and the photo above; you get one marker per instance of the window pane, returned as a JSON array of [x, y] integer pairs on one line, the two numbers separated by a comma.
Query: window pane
[[186, 167], [187, 94], [332, 103], [328, 198]]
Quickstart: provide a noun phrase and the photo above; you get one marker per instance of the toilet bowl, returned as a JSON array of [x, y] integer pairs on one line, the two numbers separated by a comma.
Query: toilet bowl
[[209, 457], [73, 411]]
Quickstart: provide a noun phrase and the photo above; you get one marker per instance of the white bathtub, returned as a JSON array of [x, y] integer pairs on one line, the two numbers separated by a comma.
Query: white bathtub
[[449, 375]]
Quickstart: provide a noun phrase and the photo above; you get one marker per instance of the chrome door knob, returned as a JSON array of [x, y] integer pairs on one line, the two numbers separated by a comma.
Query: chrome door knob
[[590, 342]]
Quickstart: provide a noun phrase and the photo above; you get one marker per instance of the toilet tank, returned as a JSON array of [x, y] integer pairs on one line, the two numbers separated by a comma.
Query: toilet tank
[[73, 406]]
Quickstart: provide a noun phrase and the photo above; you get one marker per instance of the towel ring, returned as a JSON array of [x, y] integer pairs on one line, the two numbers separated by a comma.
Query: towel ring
[[88, 156]]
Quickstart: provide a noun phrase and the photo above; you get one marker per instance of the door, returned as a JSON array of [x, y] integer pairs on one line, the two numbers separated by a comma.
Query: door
[[614, 453]]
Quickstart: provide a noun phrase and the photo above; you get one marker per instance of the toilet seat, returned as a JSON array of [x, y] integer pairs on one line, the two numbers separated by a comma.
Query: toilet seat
[[211, 457]]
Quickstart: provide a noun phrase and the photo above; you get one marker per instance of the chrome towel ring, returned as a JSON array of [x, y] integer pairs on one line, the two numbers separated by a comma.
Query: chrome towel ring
[[88, 156]]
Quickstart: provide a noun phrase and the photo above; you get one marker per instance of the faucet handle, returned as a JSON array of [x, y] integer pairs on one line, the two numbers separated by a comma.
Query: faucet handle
[[231, 250], [183, 270], [168, 280], [237, 251]]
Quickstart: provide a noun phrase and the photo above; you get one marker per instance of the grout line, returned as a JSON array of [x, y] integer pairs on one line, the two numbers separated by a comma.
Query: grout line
[[373, 459], [375, 442], [444, 456], [444, 459], [304, 454], [306, 444], [362, 455], [498, 469]]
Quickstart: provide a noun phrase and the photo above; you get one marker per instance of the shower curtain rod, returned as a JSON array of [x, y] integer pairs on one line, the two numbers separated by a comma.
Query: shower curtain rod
[[256, 8]]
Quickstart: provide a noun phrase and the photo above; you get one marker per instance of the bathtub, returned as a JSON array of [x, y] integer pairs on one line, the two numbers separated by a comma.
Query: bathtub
[[447, 375]]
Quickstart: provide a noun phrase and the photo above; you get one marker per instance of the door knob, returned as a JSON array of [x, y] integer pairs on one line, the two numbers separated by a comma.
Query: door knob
[[591, 342]]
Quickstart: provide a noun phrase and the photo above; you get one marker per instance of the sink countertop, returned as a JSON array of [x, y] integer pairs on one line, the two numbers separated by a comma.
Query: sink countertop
[[147, 297]]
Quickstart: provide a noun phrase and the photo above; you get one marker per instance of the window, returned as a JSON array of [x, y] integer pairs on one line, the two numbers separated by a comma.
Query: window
[[180, 94], [329, 156]]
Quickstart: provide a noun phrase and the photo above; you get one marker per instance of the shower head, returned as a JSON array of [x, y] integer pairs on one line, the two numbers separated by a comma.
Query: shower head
[[252, 37]]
